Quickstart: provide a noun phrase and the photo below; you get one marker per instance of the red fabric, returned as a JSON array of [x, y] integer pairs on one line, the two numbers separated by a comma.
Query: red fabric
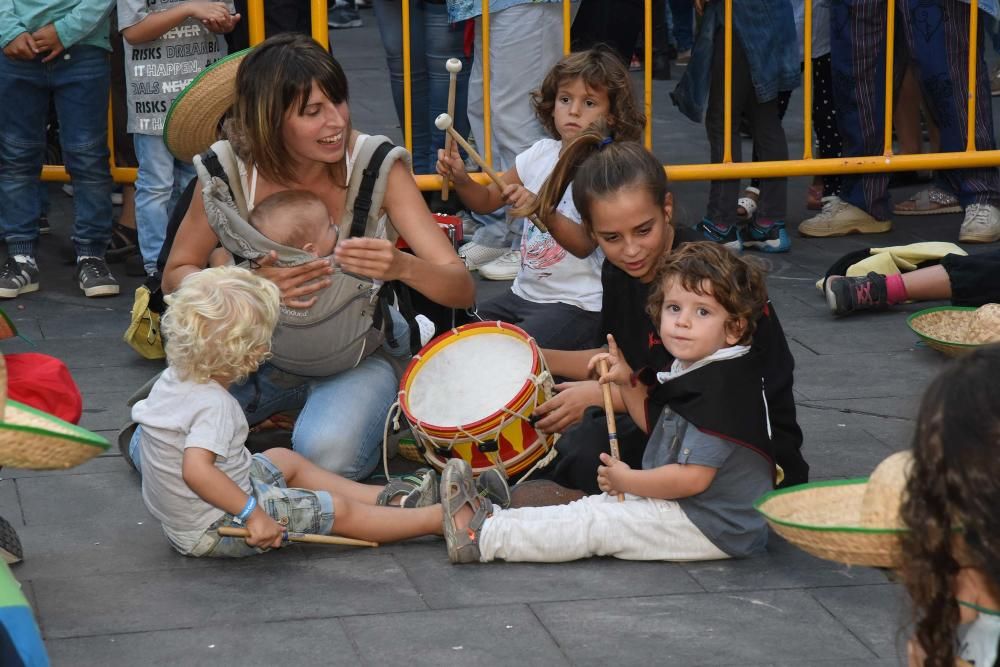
[[44, 383], [895, 289], [470, 38]]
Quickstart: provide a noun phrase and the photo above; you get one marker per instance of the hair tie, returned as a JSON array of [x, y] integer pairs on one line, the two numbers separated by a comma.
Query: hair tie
[[605, 141]]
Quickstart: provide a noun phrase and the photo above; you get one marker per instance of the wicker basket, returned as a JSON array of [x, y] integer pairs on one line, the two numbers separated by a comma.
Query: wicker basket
[[943, 328]]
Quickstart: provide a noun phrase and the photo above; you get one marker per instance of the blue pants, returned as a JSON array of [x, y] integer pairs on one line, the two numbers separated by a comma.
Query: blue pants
[[937, 33], [433, 40], [162, 179], [79, 82]]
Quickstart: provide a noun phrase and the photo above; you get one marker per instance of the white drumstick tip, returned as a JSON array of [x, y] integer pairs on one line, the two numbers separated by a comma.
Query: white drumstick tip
[[454, 65], [443, 122]]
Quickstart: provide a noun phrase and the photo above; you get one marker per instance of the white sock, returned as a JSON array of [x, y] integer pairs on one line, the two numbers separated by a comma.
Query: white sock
[[25, 259], [83, 257]]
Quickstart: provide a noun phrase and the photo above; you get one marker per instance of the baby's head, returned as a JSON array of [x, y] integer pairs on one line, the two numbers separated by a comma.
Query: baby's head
[[297, 219], [597, 84], [705, 298], [219, 324]]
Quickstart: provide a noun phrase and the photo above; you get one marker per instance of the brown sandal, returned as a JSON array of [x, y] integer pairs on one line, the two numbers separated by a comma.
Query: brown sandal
[[930, 201], [457, 491]]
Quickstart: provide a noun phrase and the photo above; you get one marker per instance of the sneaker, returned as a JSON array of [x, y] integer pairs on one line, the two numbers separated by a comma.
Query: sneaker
[[504, 267], [18, 278], [729, 236], [43, 225], [492, 485], [477, 254], [427, 329], [846, 295], [683, 57], [839, 218], [95, 278], [416, 489], [344, 17], [10, 544], [363, 4], [981, 224], [124, 242], [769, 238]]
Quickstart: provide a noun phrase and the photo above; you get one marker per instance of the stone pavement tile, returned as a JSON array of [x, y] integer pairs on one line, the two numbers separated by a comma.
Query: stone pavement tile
[[10, 504], [894, 374], [106, 411], [58, 500], [120, 380], [98, 322], [444, 585], [876, 615], [835, 452], [902, 408], [784, 566], [713, 629], [494, 635], [313, 642], [231, 592], [823, 333], [893, 432], [80, 354]]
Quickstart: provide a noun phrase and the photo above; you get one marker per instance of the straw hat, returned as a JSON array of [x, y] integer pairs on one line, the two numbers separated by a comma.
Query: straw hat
[[30, 438], [193, 120], [853, 521], [956, 330]]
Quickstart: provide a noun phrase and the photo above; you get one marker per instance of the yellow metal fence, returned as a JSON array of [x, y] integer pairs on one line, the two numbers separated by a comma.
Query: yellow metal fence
[[727, 169]]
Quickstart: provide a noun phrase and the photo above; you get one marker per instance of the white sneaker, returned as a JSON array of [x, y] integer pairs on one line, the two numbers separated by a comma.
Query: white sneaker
[[427, 329], [839, 218], [981, 224], [504, 267], [477, 254]]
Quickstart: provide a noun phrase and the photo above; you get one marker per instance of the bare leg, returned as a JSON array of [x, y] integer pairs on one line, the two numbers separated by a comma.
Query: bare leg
[[384, 524], [929, 284], [302, 473]]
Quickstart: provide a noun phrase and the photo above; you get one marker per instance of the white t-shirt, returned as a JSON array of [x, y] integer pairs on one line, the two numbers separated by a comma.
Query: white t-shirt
[[549, 273], [179, 414]]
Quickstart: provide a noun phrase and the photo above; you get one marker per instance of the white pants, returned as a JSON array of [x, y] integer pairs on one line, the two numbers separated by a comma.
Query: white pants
[[637, 529], [525, 42]]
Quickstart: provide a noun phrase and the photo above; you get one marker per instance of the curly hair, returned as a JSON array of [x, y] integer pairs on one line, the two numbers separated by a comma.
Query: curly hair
[[219, 324], [598, 166], [952, 496], [703, 267], [600, 68]]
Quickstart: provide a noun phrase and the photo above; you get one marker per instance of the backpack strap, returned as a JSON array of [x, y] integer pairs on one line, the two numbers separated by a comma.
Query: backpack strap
[[374, 158], [363, 200]]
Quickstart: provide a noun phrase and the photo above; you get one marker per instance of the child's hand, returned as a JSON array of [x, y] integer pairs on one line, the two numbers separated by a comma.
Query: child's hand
[[612, 475], [224, 25], [619, 372], [265, 532], [209, 13], [450, 165], [517, 196]]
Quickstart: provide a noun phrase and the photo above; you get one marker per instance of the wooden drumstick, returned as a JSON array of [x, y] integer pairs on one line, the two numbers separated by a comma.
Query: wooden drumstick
[[609, 414], [229, 531], [454, 66], [444, 123]]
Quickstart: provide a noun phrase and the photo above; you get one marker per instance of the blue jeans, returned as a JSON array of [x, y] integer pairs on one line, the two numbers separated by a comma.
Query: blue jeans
[[340, 424], [682, 12], [79, 82], [433, 40], [161, 180]]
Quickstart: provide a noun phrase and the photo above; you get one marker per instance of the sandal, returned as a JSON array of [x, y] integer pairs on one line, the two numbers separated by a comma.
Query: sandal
[[931, 201], [457, 491], [814, 198], [416, 489], [492, 484], [746, 206]]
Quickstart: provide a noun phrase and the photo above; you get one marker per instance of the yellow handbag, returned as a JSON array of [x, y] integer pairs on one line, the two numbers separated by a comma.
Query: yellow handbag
[[143, 333]]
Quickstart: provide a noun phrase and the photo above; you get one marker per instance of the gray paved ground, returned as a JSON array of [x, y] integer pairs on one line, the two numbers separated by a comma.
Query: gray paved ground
[[109, 591]]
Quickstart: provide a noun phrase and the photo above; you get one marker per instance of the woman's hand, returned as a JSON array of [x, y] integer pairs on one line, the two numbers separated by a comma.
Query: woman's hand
[[294, 282], [619, 372], [612, 475], [265, 532], [450, 165], [517, 196], [373, 258], [567, 406]]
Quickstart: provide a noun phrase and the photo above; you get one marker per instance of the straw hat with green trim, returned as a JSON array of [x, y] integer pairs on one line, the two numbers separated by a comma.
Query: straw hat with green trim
[[957, 330], [192, 123], [30, 438], [854, 521]]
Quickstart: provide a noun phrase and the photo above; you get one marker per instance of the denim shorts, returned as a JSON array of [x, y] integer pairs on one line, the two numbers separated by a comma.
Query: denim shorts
[[301, 510]]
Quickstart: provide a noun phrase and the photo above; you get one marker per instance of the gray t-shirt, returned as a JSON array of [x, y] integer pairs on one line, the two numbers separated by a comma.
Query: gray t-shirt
[[724, 511], [157, 71]]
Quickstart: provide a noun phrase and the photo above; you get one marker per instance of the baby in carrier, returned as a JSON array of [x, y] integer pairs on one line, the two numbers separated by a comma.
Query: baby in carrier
[[299, 219]]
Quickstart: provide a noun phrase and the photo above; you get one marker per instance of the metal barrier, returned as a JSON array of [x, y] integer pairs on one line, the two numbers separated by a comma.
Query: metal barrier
[[727, 169]]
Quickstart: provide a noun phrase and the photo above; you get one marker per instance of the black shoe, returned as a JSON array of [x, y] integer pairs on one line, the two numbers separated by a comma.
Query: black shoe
[[661, 66], [18, 278], [10, 543], [43, 224], [846, 295], [124, 242], [344, 17], [95, 278]]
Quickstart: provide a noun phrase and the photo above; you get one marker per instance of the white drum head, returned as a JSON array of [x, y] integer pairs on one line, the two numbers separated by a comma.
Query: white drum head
[[469, 379]]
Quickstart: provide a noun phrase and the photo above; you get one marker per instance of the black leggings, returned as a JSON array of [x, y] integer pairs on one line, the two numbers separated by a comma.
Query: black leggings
[[975, 279]]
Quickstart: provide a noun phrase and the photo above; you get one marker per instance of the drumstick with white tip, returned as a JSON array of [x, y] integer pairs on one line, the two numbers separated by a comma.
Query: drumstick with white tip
[[444, 123], [609, 414], [454, 66]]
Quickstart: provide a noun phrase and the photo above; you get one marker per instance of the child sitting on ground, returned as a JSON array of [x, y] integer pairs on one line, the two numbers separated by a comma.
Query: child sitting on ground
[[703, 466], [197, 474], [299, 219]]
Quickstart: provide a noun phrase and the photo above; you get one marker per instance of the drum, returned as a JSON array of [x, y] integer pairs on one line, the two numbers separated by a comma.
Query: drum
[[471, 392]]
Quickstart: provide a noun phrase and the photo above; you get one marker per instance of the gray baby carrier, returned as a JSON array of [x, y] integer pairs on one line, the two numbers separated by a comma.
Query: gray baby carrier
[[346, 323]]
